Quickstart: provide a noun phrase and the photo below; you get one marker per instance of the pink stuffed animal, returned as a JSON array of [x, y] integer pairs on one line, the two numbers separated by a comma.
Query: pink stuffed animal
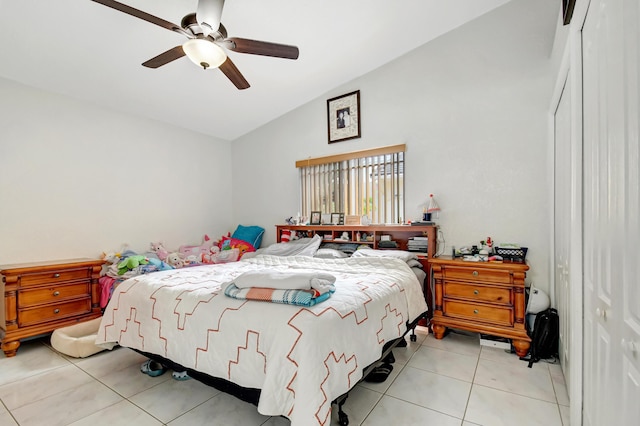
[[211, 256], [160, 251], [197, 251]]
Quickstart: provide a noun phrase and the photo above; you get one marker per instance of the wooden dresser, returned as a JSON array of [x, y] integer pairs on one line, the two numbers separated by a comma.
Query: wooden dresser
[[483, 297], [41, 297]]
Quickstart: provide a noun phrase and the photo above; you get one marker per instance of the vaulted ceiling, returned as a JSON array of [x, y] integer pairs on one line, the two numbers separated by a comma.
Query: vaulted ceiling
[[87, 51]]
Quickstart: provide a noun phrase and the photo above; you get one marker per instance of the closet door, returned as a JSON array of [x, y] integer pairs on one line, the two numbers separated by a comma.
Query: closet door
[[611, 272], [562, 221], [630, 258]]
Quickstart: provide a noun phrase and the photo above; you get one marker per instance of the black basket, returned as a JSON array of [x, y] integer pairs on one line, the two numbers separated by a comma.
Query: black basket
[[512, 254]]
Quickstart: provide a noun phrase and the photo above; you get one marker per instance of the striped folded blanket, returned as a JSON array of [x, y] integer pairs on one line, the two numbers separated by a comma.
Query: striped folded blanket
[[288, 297]]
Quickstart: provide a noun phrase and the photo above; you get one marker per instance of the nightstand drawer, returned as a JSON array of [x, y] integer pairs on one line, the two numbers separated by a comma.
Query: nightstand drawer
[[28, 298], [478, 293], [477, 274], [54, 312], [55, 277], [489, 314]]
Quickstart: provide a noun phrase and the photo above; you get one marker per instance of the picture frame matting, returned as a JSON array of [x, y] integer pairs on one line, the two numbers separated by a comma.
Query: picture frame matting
[[343, 117]]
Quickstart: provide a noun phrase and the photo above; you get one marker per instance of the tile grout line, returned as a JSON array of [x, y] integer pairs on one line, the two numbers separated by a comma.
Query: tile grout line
[[473, 379]]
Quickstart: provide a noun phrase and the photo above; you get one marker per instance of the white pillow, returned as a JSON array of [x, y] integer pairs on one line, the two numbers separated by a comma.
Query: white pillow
[[328, 253]]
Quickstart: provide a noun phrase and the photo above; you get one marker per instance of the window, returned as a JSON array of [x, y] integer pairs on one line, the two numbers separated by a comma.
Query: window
[[360, 183]]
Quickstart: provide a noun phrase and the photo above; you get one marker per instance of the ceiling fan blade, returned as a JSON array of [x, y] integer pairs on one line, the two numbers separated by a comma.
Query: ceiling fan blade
[[231, 71], [264, 48], [208, 15], [142, 15], [165, 57]]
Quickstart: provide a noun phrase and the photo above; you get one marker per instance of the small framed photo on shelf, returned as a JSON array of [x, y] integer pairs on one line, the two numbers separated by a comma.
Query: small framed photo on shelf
[[337, 218], [344, 117], [316, 218]]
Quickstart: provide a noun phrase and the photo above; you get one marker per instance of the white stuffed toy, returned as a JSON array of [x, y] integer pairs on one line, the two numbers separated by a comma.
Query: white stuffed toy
[[174, 259]]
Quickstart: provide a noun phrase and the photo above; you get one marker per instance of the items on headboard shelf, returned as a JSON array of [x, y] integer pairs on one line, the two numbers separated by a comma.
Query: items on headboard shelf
[[368, 235]]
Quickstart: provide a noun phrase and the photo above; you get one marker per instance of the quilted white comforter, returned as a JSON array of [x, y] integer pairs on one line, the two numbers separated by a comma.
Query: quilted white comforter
[[301, 358]]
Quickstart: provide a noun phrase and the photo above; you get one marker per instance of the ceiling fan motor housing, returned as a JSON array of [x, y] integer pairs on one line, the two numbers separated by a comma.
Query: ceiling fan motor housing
[[190, 24]]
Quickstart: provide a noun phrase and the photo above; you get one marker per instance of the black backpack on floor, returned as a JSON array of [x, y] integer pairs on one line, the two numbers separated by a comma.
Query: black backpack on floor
[[545, 335]]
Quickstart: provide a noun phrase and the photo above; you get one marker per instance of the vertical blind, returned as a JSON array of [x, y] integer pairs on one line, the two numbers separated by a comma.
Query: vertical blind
[[369, 182]]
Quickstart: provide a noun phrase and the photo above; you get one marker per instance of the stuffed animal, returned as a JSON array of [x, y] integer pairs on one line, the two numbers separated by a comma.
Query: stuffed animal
[[228, 243], [192, 260], [159, 264], [211, 256], [111, 257], [197, 251], [175, 260], [131, 263], [159, 250]]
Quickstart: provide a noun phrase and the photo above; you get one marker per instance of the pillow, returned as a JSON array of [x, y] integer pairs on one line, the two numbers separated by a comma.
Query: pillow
[[413, 263], [329, 253], [251, 234], [398, 254], [302, 247], [228, 243], [348, 248]]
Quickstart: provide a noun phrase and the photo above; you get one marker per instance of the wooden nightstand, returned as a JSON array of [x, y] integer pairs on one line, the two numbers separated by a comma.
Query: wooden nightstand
[[483, 297], [41, 297]]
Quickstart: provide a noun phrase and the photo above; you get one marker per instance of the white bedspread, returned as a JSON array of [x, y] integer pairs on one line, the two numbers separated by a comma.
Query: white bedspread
[[301, 358]]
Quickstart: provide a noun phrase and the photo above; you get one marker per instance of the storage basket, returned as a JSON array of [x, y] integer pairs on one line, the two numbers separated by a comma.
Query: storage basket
[[512, 253]]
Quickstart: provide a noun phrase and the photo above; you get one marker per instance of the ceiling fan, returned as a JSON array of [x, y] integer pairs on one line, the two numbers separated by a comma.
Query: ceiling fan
[[206, 39]]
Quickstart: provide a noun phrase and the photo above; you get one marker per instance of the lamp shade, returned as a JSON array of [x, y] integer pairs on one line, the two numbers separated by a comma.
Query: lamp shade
[[204, 53], [433, 205]]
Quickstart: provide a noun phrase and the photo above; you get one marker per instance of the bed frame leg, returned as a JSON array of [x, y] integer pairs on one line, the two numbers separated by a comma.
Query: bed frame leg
[[413, 336], [343, 419]]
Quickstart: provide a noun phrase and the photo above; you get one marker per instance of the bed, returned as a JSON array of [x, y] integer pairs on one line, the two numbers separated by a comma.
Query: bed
[[294, 360]]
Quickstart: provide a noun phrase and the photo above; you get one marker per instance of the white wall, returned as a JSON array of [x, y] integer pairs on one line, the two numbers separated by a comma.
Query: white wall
[[76, 180], [471, 107]]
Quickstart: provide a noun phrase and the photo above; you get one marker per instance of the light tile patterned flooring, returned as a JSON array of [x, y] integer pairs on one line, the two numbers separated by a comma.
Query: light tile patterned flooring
[[453, 381]]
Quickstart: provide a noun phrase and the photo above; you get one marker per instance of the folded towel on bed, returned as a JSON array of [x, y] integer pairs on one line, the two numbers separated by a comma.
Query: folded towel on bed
[[285, 280], [289, 297]]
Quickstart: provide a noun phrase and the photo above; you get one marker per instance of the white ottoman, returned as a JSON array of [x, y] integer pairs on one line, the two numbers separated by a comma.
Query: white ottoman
[[77, 340]]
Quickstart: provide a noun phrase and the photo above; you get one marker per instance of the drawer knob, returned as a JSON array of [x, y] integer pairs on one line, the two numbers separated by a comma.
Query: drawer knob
[[475, 273], [56, 293], [476, 292], [56, 311], [475, 311], [56, 275]]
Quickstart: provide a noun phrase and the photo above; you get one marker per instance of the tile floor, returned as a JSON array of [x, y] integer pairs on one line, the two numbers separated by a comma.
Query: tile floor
[[453, 381]]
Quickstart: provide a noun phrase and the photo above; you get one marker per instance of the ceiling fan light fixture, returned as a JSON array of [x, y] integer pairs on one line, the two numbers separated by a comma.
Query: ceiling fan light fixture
[[204, 53]]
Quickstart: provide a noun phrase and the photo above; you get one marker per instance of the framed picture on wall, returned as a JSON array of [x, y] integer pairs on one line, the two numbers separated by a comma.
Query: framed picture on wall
[[316, 218], [343, 117]]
